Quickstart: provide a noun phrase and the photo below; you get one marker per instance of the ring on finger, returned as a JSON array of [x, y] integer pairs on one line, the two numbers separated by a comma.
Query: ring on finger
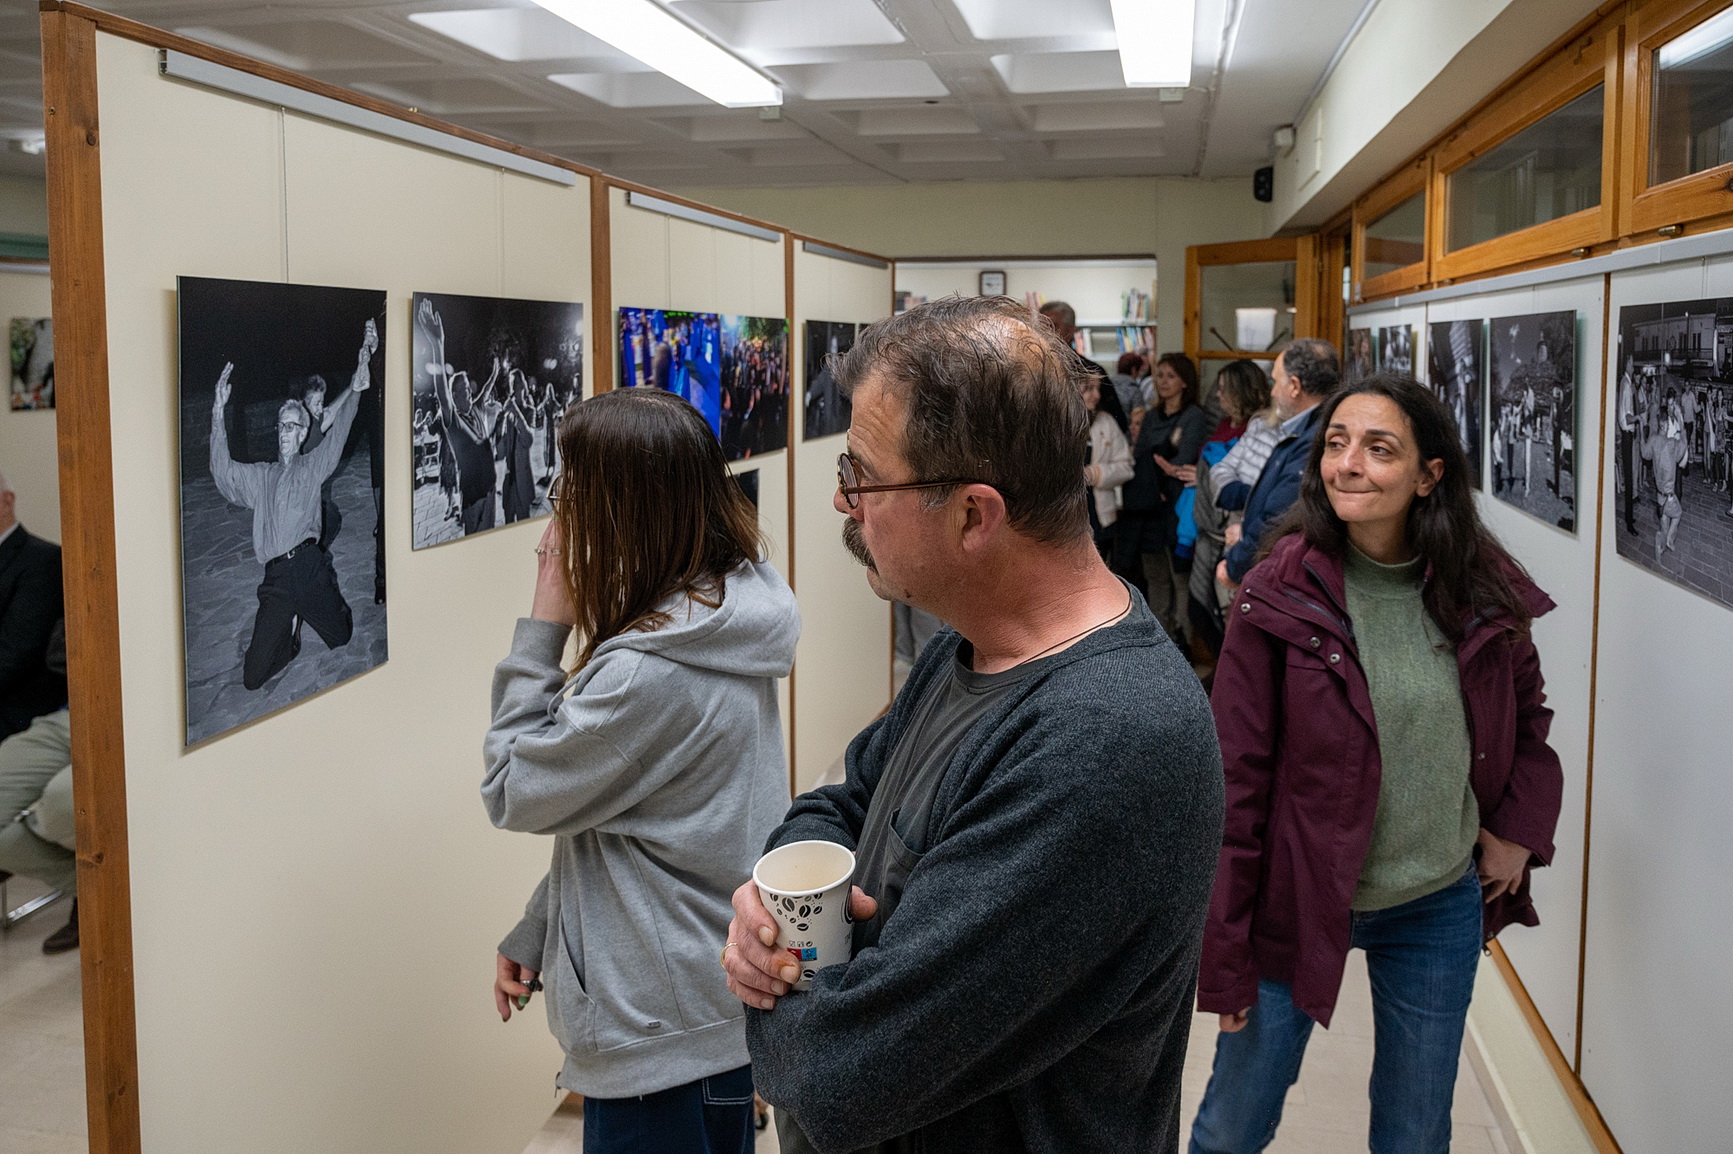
[[725, 950]]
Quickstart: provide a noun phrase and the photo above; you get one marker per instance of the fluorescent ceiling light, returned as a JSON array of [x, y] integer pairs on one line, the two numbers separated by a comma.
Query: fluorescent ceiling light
[[1154, 41], [646, 31], [1713, 33]]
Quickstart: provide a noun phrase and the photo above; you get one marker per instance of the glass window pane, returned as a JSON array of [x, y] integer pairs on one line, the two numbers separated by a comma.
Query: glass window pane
[[1397, 239], [1550, 169], [1691, 107], [1247, 303]]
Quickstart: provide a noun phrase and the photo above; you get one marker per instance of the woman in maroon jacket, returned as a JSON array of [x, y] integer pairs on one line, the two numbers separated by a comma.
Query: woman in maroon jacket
[[1389, 783]]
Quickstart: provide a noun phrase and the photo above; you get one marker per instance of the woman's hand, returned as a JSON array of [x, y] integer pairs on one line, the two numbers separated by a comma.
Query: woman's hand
[[1092, 476], [510, 982], [1186, 474], [1234, 1023], [553, 602], [1501, 865]]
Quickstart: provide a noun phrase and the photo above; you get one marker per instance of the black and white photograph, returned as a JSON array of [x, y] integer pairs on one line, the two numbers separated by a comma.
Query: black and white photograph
[[490, 378], [1396, 349], [1533, 415], [1456, 373], [31, 341], [1673, 456], [827, 410], [282, 494], [1361, 361], [754, 404]]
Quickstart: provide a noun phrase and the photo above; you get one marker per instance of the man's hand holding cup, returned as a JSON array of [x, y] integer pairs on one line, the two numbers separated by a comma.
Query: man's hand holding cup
[[759, 970]]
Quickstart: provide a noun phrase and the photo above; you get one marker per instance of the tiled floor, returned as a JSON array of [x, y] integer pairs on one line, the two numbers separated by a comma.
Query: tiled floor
[[42, 1065], [1327, 1111], [41, 1037]]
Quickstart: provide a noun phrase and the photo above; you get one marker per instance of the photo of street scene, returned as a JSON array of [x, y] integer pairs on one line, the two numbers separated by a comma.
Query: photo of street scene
[[1673, 453], [1533, 415]]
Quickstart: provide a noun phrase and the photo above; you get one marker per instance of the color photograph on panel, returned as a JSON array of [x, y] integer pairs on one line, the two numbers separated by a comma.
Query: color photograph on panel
[[1673, 457], [32, 344], [1533, 412], [489, 378], [754, 410], [1361, 361], [1457, 374], [1396, 349], [827, 410], [677, 351], [282, 494]]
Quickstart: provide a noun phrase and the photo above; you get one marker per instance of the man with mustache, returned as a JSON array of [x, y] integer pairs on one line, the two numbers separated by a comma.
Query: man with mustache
[[1048, 781]]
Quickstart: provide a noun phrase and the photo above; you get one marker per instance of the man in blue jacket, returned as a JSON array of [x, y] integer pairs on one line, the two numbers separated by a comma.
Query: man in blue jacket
[[1305, 373], [1036, 818]]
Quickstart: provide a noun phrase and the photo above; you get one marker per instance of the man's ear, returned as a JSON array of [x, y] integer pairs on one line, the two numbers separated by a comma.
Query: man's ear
[[984, 515]]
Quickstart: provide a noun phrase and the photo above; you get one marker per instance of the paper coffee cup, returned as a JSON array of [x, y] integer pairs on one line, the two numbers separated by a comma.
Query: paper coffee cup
[[805, 884]]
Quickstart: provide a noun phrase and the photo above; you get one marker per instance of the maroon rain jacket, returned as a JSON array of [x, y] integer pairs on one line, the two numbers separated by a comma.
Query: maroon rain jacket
[[1300, 752]]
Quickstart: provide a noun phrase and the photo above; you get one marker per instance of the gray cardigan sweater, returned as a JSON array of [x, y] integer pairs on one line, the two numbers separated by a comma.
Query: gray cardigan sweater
[[658, 769], [1033, 990]]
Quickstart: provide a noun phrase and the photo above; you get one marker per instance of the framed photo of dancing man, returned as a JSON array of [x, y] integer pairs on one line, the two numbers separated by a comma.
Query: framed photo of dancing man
[[1456, 374], [1673, 453], [1533, 414], [490, 378], [282, 494]]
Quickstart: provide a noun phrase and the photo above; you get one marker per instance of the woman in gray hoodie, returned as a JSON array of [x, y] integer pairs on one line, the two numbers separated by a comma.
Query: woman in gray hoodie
[[655, 762]]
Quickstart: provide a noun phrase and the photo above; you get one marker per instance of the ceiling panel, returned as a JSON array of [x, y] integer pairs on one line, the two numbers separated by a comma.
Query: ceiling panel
[[874, 90]]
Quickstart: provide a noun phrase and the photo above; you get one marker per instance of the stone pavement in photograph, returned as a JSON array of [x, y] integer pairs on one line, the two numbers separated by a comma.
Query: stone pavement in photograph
[[1537, 497], [221, 581], [1702, 555]]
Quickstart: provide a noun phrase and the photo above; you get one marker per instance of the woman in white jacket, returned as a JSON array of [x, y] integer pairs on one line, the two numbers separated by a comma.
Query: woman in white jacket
[[1109, 462]]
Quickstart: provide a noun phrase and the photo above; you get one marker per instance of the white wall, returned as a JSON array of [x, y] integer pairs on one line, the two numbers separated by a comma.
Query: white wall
[[28, 454], [842, 670], [317, 896], [1413, 68], [23, 206], [1658, 1021], [1034, 218]]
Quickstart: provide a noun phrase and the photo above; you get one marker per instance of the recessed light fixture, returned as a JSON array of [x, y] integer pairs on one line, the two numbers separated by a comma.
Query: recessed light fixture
[[31, 145], [646, 31], [1154, 41]]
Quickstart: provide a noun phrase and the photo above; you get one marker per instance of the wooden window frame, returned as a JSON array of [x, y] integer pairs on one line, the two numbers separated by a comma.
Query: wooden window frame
[[1594, 57], [1699, 196], [1302, 250], [1414, 177]]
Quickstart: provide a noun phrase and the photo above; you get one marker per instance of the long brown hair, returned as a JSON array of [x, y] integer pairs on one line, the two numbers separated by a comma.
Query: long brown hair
[[1186, 369], [648, 510], [1471, 572]]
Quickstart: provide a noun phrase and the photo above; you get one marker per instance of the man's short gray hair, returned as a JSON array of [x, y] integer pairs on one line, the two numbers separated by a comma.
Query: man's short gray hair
[[1314, 364]]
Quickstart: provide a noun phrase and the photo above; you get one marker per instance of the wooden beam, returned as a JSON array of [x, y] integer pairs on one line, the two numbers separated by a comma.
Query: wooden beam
[[601, 286], [796, 407], [92, 597]]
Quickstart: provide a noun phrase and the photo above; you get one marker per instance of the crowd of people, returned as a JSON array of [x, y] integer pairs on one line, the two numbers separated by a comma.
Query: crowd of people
[[1665, 425], [754, 395], [1368, 768]]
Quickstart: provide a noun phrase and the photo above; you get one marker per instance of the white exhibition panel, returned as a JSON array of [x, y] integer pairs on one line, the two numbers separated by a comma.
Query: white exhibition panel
[[1546, 957], [842, 672], [663, 262], [317, 896], [28, 456], [1657, 1021]]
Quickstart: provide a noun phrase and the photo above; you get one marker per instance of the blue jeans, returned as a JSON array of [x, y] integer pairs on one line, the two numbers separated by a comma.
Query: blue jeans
[[1421, 956], [710, 1116]]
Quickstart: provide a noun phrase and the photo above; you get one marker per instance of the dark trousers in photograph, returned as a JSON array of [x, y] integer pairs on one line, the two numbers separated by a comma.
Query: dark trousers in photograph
[[300, 586], [1421, 957], [1628, 476], [710, 1116], [478, 515]]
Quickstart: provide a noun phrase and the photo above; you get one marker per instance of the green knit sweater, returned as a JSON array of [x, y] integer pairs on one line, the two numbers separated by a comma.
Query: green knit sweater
[[1427, 819]]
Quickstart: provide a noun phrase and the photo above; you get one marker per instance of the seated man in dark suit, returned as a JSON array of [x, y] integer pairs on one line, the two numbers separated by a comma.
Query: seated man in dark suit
[[31, 602]]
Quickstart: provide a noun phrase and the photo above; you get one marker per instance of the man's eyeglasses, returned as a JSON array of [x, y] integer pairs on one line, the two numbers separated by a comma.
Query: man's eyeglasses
[[848, 483]]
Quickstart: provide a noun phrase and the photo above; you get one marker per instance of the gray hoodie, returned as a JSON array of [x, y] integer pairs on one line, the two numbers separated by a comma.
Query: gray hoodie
[[659, 769]]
